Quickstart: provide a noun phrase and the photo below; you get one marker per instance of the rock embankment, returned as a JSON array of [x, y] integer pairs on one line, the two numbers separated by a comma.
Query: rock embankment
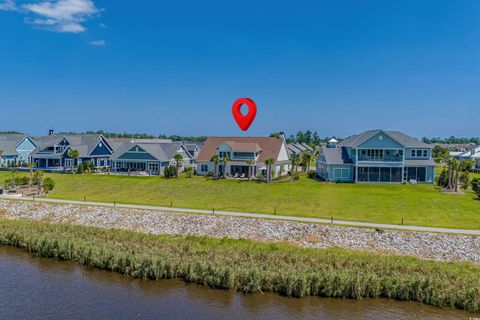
[[446, 247]]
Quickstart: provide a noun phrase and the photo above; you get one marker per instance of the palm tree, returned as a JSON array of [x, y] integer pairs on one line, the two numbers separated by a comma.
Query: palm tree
[[269, 163], [31, 165], [250, 163], [225, 160], [74, 154], [306, 158], [296, 160], [39, 175], [13, 175], [1, 162], [178, 163], [216, 160]]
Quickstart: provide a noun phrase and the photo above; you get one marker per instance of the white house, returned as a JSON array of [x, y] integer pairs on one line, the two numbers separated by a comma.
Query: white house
[[239, 151]]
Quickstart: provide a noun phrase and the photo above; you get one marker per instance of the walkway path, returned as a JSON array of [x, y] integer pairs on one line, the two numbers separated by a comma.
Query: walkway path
[[253, 215]]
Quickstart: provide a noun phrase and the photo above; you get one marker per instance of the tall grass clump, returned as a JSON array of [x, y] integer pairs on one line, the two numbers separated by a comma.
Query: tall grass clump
[[250, 266]]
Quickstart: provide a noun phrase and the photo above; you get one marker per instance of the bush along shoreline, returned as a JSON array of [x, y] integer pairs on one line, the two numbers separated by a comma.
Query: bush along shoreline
[[253, 267]]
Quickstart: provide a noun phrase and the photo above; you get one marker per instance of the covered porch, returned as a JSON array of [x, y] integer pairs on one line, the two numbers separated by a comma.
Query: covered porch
[[379, 174], [150, 167]]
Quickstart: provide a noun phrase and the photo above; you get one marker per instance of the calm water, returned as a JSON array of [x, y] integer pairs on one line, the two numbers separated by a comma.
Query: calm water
[[37, 288]]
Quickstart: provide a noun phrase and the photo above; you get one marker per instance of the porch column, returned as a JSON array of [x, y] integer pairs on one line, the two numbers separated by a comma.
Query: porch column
[[356, 165]]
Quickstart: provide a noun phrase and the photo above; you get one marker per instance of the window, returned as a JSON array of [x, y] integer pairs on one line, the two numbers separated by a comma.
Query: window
[[222, 154], [341, 173], [204, 168], [419, 153]]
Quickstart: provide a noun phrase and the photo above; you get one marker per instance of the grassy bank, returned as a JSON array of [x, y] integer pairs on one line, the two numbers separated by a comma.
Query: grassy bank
[[253, 267], [422, 205]]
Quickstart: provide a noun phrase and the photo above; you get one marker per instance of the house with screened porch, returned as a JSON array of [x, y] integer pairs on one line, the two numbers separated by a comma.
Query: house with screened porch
[[377, 156]]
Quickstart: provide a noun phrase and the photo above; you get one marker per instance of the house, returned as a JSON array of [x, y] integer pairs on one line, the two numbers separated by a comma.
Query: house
[[52, 152], [16, 149], [242, 150], [298, 149], [472, 154], [193, 149], [147, 156], [377, 156]]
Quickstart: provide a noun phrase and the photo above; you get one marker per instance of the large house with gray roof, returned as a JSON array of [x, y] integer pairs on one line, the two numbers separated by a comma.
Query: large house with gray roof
[[377, 156], [148, 156], [16, 149], [52, 151]]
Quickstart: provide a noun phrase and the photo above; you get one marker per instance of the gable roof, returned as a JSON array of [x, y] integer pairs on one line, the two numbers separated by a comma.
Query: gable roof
[[405, 140], [269, 147], [336, 156], [83, 143], [9, 143], [160, 151]]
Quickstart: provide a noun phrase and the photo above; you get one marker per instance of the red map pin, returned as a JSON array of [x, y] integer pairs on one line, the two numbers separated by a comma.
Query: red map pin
[[244, 121]]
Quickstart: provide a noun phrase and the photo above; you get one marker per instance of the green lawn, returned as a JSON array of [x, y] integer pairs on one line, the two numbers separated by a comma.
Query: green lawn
[[421, 205]]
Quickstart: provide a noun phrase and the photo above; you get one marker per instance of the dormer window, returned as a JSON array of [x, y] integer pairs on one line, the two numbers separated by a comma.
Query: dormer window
[[380, 137]]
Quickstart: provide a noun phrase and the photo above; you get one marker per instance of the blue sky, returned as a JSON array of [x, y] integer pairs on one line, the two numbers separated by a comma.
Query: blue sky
[[175, 67]]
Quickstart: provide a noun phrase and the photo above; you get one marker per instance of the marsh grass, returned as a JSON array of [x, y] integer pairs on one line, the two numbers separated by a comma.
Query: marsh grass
[[252, 267]]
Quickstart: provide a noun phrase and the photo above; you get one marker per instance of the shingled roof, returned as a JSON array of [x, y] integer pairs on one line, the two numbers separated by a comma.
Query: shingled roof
[[336, 156], [268, 147], [9, 142], [403, 139]]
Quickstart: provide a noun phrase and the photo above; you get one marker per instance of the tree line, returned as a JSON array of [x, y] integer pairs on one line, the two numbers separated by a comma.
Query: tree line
[[452, 140]]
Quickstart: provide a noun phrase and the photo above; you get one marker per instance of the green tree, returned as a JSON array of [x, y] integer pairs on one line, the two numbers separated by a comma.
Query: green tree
[[296, 160], [80, 168], [39, 177], [464, 180], [1, 162], [316, 139], [226, 159], [467, 165], [476, 186], [74, 154], [178, 163], [250, 164], [306, 159], [13, 171], [300, 137], [269, 162], [30, 166], [216, 161], [440, 154]]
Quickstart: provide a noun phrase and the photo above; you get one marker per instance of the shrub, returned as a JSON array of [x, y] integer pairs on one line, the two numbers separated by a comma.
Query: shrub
[[169, 171], [476, 186], [80, 168], [465, 180], [442, 180], [189, 172], [22, 181], [210, 174], [311, 174], [48, 184]]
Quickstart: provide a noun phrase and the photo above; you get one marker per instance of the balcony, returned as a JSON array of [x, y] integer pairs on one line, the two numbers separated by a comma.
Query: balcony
[[381, 159]]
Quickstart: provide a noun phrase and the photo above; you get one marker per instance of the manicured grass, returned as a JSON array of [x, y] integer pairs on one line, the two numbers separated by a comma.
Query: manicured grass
[[422, 205], [253, 267]]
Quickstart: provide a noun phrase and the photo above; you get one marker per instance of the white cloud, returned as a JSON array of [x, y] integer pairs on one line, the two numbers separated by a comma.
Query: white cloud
[[103, 25], [56, 15], [98, 43], [8, 5]]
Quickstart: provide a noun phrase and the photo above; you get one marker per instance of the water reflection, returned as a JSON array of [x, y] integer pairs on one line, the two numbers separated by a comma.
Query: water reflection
[[33, 288]]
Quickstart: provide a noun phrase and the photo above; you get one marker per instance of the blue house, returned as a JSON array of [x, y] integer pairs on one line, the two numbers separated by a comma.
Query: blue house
[[377, 156], [52, 151], [16, 149]]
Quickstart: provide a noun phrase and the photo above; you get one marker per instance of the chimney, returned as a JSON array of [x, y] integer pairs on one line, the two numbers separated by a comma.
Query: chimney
[[281, 135], [50, 132]]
